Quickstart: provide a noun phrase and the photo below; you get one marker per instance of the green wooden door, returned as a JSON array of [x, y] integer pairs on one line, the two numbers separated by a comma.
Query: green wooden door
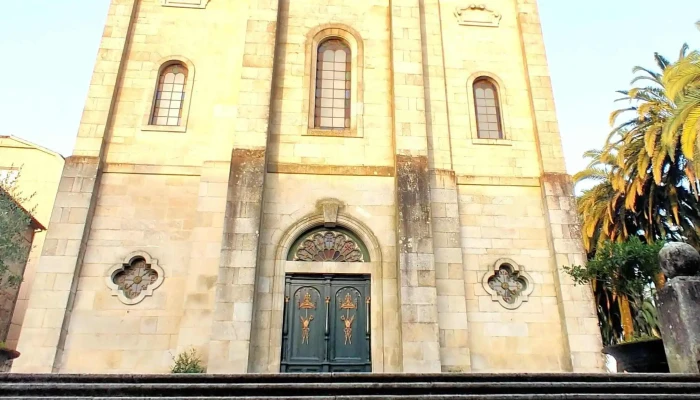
[[326, 324]]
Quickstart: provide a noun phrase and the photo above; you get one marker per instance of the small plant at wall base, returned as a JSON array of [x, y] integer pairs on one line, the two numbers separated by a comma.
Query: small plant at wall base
[[14, 222], [188, 362], [623, 274]]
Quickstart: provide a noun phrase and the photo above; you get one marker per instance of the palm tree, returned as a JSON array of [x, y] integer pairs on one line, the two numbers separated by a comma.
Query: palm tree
[[659, 182], [682, 83], [601, 207], [643, 188], [605, 217]]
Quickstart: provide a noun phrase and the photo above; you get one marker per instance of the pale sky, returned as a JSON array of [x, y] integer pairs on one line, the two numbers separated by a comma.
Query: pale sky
[[48, 49]]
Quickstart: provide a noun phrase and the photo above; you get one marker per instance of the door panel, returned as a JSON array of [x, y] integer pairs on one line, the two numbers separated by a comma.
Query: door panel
[[308, 326], [326, 324]]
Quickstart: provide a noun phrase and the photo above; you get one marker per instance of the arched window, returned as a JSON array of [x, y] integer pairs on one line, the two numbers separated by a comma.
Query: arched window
[[170, 96], [332, 105], [328, 244], [488, 110]]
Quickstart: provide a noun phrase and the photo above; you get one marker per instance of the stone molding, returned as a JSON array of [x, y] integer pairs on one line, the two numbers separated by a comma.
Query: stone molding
[[150, 169], [498, 181], [185, 3], [314, 169], [477, 15], [330, 209], [517, 273], [151, 263]]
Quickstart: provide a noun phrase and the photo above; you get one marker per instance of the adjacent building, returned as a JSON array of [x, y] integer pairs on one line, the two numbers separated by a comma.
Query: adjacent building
[[39, 171], [304, 186]]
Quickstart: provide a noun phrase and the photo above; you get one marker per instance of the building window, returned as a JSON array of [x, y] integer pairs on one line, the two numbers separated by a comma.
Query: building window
[[170, 96], [328, 245], [333, 83], [488, 111]]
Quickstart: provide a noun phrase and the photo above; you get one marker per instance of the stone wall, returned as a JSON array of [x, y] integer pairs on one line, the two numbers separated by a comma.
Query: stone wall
[[219, 200], [508, 222], [128, 217]]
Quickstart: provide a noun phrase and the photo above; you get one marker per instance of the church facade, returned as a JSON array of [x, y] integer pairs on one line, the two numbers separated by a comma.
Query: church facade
[[314, 186]]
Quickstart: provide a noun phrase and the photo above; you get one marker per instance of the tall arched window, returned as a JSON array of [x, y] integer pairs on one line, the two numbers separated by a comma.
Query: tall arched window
[[488, 110], [332, 105], [170, 96]]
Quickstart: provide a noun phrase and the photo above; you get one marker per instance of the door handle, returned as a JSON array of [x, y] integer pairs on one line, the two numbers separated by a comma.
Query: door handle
[[328, 302]]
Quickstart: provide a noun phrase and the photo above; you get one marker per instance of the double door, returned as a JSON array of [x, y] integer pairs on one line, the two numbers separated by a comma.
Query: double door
[[326, 324]]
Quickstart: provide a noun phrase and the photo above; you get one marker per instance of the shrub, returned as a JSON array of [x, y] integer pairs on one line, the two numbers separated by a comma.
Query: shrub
[[188, 362]]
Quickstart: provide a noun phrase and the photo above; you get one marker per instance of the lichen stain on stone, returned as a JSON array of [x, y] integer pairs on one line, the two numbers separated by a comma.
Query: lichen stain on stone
[[245, 184], [413, 190]]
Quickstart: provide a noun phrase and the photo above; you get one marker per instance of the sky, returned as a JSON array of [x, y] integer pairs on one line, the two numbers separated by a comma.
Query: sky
[[48, 50]]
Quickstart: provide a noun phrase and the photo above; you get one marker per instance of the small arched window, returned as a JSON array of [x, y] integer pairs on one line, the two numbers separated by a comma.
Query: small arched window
[[333, 69], [170, 96], [488, 110]]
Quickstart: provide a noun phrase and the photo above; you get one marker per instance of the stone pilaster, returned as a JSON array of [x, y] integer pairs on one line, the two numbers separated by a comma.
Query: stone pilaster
[[449, 270], [55, 283], [230, 346], [450, 285], [418, 296], [49, 310], [233, 313], [198, 305], [575, 303], [418, 293]]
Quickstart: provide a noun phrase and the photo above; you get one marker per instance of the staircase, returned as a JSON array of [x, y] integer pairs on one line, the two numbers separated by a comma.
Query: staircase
[[353, 386]]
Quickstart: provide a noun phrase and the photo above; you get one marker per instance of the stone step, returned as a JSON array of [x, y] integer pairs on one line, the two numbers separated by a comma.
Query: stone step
[[353, 386], [576, 396], [345, 377], [606, 396]]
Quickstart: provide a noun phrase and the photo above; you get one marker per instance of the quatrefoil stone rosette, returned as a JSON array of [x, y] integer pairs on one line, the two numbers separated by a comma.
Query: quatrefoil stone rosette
[[135, 278], [508, 283]]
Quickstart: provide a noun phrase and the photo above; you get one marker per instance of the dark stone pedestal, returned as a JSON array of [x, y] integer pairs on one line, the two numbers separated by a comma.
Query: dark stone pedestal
[[679, 320], [679, 307]]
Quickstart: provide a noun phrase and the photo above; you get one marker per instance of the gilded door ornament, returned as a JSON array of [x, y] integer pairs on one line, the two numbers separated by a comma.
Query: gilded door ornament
[[305, 328], [307, 304], [348, 305]]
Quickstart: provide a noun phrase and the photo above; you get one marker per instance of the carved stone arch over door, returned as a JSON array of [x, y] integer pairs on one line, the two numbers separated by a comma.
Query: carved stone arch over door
[[330, 216]]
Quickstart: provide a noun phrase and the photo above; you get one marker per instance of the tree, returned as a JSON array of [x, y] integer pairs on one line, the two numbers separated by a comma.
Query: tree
[[641, 189], [682, 82], [14, 222], [601, 208], [626, 269]]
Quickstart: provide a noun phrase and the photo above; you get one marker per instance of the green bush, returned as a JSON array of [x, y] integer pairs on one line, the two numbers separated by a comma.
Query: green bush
[[188, 362]]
